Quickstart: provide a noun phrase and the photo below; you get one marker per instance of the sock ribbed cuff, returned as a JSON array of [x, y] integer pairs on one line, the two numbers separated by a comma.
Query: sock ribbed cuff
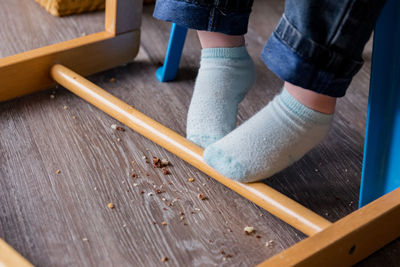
[[295, 106], [225, 52]]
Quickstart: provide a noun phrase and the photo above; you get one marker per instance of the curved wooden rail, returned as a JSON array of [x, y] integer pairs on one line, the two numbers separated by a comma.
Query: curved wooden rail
[[264, 196]]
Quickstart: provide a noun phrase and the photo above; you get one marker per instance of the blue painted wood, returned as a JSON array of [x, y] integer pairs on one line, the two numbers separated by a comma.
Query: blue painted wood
[[173, 56], [381, 166]]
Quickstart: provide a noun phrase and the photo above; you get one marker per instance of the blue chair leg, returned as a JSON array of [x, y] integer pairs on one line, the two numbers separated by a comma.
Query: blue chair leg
[[173, 56], [381, 166]]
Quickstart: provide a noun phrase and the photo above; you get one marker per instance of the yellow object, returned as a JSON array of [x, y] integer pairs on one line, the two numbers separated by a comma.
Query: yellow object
[[264, 196], [68, 7]]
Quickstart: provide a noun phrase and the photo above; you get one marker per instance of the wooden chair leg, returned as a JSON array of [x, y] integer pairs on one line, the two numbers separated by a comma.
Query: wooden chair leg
[[381, 166], [173, 56]]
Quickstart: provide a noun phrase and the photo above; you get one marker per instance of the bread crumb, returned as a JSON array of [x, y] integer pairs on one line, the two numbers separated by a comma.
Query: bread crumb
[[202, 197], [150, 194], [114, 126], [52, 96], [65, 107], [85, 239], [164, 259], [110, 205], [118, 139], [58, 171], [135, 184], [74, 117], [112, 80], [269, 243], [248, 230], [191, 180], [165, 171], [163, 223], [164, 162]]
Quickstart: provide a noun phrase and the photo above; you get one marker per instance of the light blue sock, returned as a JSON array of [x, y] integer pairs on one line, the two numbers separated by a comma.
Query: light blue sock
[[225, 76], [274, 138]]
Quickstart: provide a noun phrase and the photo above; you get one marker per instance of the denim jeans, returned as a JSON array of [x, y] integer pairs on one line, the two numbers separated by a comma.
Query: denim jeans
[[316, 45]]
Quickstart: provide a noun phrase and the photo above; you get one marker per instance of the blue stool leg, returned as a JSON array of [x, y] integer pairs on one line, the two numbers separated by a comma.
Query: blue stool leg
[[381, 166], [173, 56]]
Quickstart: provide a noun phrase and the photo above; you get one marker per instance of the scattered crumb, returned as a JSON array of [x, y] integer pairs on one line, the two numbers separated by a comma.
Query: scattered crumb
[[269, 243], [58, 171], [135, 184], [144, 157], [164, 259], [134, 175], [163, 223], [114, 126], [202, 197], [158, 191], [182, 217], [150, 194], [164, 162], [191, 180], [133, 162], [52, 96], [258, 236], [163, 199], [165, 171], [121, 129], [83, 34], [345, 170], [316, 170], [124, 225], [110, 205], [141, 192], [118, 139], [65, 107], [85, 239], [95, 188], [74, 117], [230, 230], [248, 230], [154, 222], [112, 80], [181, 213]]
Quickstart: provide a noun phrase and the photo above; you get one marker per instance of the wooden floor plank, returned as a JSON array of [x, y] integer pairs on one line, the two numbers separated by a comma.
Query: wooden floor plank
[[62, 219]]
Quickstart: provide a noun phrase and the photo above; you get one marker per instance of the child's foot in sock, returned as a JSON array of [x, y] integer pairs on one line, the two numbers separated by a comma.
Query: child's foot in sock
[[274, 138], [224, 77]]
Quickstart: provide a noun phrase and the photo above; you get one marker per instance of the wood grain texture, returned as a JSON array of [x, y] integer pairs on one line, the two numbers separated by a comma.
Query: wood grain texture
[[348, 240], [46, 216], [28, 72]]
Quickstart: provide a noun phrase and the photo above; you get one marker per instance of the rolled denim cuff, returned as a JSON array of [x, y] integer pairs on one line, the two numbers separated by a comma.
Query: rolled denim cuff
[[204, 18], [305, 63]]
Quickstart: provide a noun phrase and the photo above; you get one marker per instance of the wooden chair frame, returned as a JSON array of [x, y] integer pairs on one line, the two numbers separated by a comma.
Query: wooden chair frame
[[342, 243]]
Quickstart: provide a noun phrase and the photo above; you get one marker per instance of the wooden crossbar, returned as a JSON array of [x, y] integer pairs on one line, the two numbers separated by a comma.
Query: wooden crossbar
[[343, 243], [264, 196], [10, 257]]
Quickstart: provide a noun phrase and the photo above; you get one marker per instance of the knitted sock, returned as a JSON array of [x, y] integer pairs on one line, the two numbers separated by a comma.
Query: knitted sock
[[274, 138], [225, 76]]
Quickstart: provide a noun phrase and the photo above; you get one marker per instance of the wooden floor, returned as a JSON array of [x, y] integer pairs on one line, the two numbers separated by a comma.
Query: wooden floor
[[63, 220]]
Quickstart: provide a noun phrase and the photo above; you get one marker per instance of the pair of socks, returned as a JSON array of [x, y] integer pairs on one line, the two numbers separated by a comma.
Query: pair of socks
[[274, 138]]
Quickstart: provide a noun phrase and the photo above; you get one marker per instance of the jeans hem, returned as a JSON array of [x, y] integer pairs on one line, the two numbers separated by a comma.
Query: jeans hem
[[203, 18], [304, 63]]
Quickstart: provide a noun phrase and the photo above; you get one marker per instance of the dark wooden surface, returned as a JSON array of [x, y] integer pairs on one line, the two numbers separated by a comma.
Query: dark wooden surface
[[63, 220]]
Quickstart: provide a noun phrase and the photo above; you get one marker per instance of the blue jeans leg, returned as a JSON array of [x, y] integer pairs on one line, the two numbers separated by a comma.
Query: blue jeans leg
[[317, 44]]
